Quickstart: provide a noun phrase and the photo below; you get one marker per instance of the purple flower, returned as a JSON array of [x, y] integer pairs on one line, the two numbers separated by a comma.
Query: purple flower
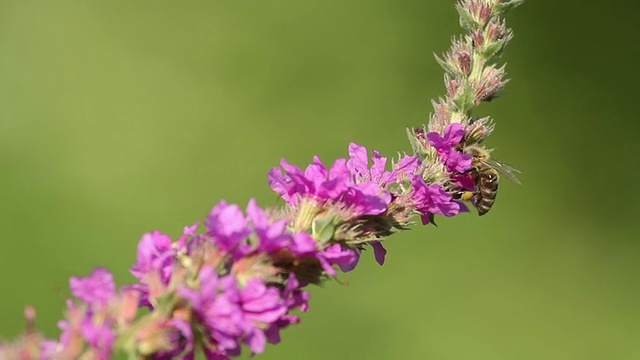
[[98, 333], [155, 254], [303, 244], [228, 226], [93, 324], [216, 303], [97, 288], [189, 232], [348, 183], [432, 199], [458, 162], [445, 146], [316, 182], [261, 306], [367, 199], [358, 165], [294, 298], [271, 236], [346, 259], [453, 135], [353, 258]]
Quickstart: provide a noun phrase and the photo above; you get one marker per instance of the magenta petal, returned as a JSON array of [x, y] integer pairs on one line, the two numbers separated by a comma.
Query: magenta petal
[[154, 253], [256, 341], [290, 169], [188, 232], [407, 165], [437, 141], [367, 198], [339, 170], [228, 225], [332, 189], [256, 214], [350, 265], [335, 254], [378, 173], [97, 288], [379, 251], [261, 303], [303, 244], [326, 265], [457, 162], [316, 172], [454, 134], [280, 183], [358, 163]]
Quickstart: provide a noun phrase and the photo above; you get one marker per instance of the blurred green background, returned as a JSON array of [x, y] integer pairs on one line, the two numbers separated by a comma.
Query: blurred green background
[[121, 117]]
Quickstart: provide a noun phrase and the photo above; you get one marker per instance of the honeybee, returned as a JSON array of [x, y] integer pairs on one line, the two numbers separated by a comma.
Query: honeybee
[[485, 173]]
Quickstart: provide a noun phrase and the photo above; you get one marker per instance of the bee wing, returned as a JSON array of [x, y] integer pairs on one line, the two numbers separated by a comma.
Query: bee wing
[[505, 169]]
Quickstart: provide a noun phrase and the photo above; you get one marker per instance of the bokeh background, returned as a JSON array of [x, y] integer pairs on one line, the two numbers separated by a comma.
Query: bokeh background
[[121, 117]]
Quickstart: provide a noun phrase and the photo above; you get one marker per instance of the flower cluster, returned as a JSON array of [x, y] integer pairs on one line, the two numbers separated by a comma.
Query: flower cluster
[[362, 200], [234, 281]]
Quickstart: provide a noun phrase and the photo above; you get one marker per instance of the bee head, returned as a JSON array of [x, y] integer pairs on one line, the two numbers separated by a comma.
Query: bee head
[[477, 153]]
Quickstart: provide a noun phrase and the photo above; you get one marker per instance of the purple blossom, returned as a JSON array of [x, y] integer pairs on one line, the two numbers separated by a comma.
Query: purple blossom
[[97, 288], [99, 334], [358, 165], [303, 244], [432, 199], [93, 324], [453, 135], [294, 298], [458, 162], [336, 184], [346, 259], [261, 306], [228, 226], [271, 236], [155, 254], [367, 199], [189, 232], [379, 253], [216, 303], [445, 146]]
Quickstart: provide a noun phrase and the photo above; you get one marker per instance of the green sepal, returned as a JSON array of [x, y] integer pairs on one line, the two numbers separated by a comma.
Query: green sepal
[[507, 5], [466, 20], [415, 144], [446, 66], [493, 49], [324, 229]]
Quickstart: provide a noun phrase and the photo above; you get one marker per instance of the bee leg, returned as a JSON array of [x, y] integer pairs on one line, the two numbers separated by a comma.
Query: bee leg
[[463, 195]]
